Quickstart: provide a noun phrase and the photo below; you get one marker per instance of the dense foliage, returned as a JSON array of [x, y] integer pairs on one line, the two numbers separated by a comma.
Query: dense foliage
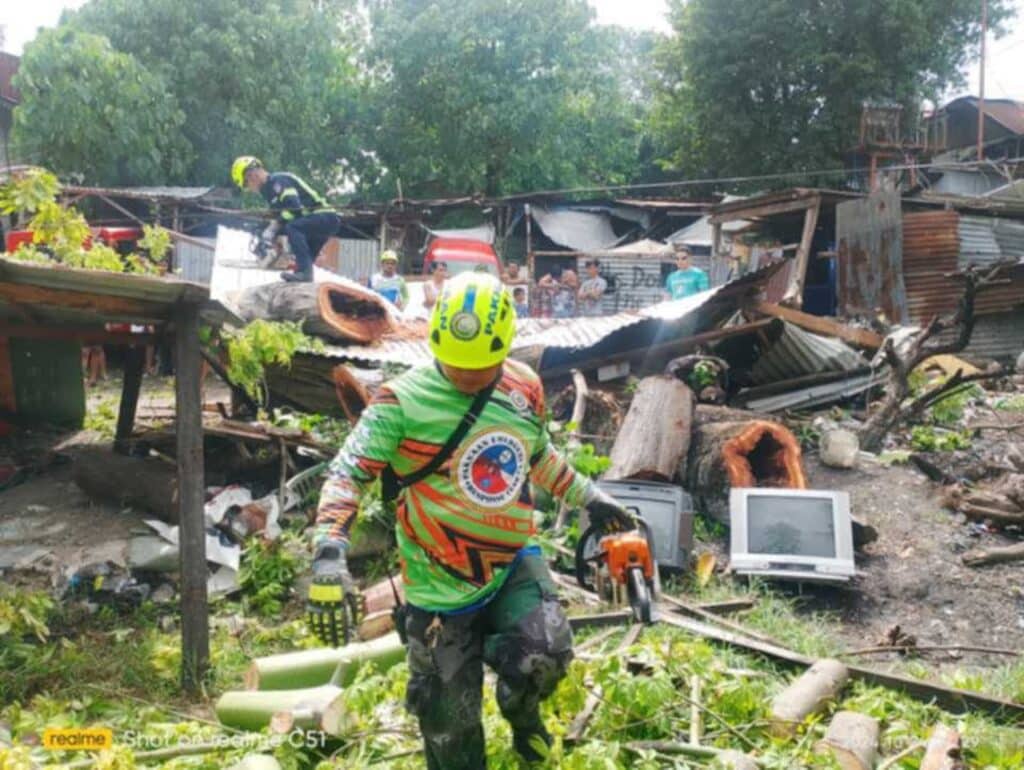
[[777, 86]]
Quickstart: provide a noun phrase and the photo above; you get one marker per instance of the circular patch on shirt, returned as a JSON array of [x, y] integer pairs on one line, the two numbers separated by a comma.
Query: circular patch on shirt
[[465, 326], [491, 470], [518, 399]]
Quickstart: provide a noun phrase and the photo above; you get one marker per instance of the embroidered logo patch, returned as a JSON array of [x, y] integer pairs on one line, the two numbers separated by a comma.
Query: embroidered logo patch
[[518, 399], [491, 470]]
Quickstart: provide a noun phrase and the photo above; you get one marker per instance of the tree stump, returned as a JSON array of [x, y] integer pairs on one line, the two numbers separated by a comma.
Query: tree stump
[[807, 694], [654, 438], [852, 739], [750, 453], [339, 312]]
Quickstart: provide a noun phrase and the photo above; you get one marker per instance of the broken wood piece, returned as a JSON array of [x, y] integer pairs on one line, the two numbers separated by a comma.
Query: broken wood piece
[[579, 724], [698, 611], [929, 648], [375, 625], [943, 750], [730, 759], [140, 482], [862, 338], [852, 738], [727, 606], [808, 694], [655, 436], [282, 710], [673, 747], [913, 748], [353, 397], [983, 556], [340, 312], [696, 727]]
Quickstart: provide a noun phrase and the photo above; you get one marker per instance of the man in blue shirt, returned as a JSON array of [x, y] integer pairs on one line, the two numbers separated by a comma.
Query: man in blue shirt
[[686, 279]]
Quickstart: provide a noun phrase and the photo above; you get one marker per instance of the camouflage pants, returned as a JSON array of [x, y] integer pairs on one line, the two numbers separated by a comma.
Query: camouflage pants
[[522, 634]]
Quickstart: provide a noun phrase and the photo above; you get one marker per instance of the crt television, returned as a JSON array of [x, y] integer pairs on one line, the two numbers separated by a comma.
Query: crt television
[[795, 534]]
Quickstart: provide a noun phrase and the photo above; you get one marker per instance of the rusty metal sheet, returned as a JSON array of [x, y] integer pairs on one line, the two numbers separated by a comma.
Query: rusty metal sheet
[[869, 232], [931, 249]]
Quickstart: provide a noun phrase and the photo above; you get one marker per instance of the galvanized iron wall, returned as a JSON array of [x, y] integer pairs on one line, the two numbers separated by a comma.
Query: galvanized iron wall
[[638, 281], [931, 248], [193, 262], [869, 232]]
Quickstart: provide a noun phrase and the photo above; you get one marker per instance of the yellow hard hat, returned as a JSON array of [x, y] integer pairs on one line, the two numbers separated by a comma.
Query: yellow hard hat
[[473, 322], [242, 164], [388, 254]]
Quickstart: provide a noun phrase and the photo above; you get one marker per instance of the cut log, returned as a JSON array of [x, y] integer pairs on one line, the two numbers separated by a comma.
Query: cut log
[[381, 596], [338, 312], [734, 760], [312, 707], [943, 751], [145, 483], [983, 556], [375, 625], [313, 668], [313, 384], [708, 413], [753, 453], [808, 694], [655, 436], [852, 739], [352, 394]]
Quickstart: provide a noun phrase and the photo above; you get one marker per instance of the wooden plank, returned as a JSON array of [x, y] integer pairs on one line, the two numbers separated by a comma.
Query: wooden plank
[[795, 291], [134, 363], [862, 338], [766, 210], [8, 403], [195, 630], [82, 334], [949, 698], [101, 304]]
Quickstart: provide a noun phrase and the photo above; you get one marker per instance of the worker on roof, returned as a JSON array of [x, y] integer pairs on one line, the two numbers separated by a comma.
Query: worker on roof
[[303, 215], [458, 442]]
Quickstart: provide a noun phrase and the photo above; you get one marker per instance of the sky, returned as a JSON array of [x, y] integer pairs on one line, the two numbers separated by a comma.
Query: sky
[[1004, 73]]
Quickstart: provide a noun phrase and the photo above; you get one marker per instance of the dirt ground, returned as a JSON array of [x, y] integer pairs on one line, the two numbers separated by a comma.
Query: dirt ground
[[912, 575]]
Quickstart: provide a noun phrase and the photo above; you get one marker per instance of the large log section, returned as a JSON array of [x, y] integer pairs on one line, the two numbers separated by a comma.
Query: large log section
[[655, 436]]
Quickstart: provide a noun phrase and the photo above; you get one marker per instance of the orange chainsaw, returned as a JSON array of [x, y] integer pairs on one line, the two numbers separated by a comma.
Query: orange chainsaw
[[620, 563]]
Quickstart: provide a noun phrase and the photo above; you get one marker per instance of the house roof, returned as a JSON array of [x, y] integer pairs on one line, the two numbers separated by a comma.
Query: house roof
[[1006, 112]]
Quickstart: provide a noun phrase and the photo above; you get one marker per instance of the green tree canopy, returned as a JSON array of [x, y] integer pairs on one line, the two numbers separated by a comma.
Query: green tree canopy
[[496, 96], [90, 110], [746, 88], [273, 78]]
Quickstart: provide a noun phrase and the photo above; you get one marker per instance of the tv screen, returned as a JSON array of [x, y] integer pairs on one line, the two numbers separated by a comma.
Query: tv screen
[[799, 526]]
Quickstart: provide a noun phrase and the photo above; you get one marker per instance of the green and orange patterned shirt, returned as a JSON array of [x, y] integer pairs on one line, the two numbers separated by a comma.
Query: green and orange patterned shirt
[[461, 527]]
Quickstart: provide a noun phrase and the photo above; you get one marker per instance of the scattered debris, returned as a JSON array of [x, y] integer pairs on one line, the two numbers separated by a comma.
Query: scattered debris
[[808, 694], [943, 750], [852, 738], [839, 448]]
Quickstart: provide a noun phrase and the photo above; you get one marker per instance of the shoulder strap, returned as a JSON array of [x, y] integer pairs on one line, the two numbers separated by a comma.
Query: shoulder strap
[[392, 483]]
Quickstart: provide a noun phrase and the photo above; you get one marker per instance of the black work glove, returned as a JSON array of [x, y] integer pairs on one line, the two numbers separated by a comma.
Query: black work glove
[[333, 602], [607, 513]]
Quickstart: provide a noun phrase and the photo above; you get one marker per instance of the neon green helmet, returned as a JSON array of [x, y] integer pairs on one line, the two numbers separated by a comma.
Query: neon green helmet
[[242, 164], [388, 255], [473, 322]]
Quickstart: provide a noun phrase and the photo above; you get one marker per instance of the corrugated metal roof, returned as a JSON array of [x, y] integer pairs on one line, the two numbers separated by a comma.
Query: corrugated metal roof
[[142, 193], [978, 245], [578, 230], [797, 353], [815, 395], [931, 248], [1000, 335]]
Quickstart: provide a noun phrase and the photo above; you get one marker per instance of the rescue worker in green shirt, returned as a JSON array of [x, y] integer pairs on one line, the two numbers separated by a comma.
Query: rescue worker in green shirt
[[477, 587], [302, 214]]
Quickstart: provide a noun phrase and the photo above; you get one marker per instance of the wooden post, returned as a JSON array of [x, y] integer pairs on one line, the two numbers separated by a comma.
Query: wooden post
[[530, 277], [795, 293], [133, 364], [195, 631]]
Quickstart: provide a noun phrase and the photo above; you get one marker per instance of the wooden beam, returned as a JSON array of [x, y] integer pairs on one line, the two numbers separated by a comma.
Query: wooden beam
[[134, 363], [195, 630], [767, 210], [84, 335], [795, 292], [653, 351], [862, 338], [949, 698], [76, 300]]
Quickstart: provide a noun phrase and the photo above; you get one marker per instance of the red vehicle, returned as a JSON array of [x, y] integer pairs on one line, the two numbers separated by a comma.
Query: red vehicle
[[121, 239], [462, 255]]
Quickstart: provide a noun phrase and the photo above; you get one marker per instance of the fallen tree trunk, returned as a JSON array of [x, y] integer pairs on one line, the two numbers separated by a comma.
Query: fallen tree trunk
[[751, 453], [655, 436], [145, 483], [943, 751], [312, 668], [808, 694], [282, 710], [983, 556], [708, 413], [852, 739], [314, 384], [339, 312]]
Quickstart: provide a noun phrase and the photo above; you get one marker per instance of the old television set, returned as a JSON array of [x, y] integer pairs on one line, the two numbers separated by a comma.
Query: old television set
[[804, 535]]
